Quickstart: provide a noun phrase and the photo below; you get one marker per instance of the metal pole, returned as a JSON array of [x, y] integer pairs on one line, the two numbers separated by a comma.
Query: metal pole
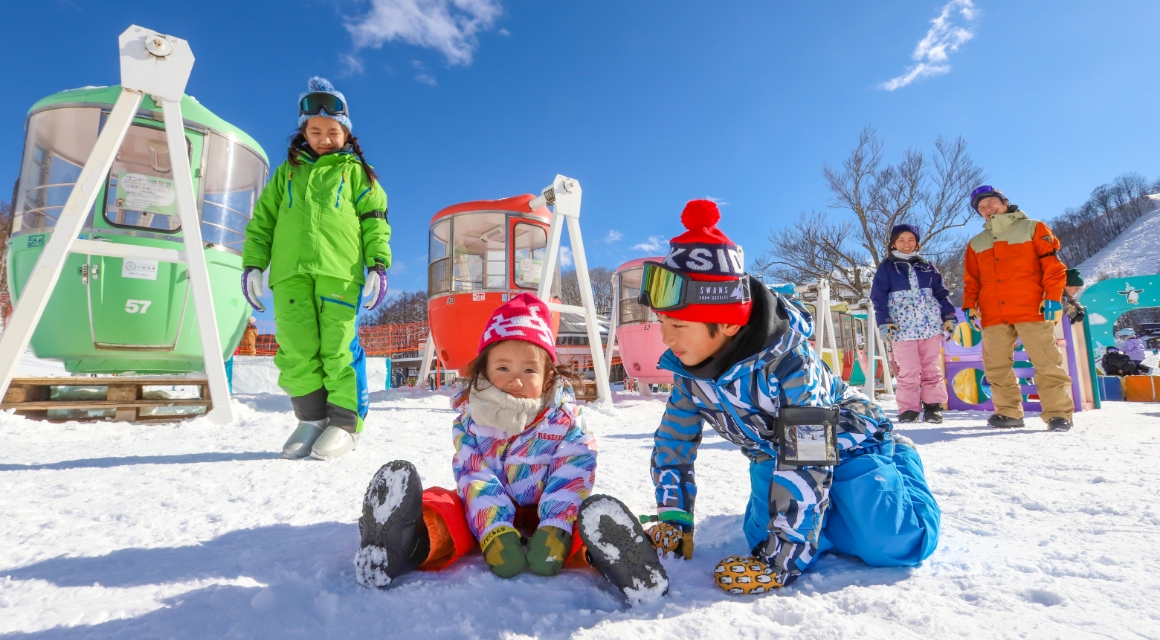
[[872, 339], [599, 368], [197, 267], [613, 322]]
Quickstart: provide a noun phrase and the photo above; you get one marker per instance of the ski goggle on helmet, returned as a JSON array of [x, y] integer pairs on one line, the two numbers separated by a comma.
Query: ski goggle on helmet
[[665, 289], [985, 191], [313, 104]]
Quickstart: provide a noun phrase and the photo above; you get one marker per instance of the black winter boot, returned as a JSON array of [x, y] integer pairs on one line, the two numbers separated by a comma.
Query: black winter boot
[[393, 536], [620, 550], [1001, 421], [1058, 424], [908, 416], [932, 412]]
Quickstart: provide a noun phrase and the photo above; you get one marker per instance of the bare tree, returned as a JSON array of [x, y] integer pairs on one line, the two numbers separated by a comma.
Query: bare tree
[[401, 308], [931, 194], [601, 278], [5, 230], [1083, 231]]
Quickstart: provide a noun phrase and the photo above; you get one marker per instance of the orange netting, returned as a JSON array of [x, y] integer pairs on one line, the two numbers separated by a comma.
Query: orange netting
[[377, 340]]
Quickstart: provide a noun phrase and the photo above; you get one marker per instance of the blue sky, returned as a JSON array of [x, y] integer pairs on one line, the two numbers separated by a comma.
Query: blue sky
[[648, 103]]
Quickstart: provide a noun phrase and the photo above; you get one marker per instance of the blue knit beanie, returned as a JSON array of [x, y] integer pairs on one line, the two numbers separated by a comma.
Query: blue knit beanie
[[899, 228], [322, 85]]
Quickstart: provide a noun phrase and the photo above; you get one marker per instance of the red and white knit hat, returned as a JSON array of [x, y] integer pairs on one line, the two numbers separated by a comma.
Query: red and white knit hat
[[706, 254], [524, 317]]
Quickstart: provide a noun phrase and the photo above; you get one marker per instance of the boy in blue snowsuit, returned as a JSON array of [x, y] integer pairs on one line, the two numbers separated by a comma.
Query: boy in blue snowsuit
[[741, 357]]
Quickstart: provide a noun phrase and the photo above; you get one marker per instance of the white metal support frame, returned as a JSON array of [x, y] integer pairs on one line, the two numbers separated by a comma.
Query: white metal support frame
[[875, 354], [564, 195], [613, 323], [823, 319], [428, 353], [158, 65]]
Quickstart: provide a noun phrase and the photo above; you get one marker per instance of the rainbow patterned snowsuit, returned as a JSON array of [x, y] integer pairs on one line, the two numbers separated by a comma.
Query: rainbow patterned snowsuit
[[551, 465]]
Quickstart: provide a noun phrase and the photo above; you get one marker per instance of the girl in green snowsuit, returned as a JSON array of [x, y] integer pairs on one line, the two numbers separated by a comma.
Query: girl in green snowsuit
[[321, 219]]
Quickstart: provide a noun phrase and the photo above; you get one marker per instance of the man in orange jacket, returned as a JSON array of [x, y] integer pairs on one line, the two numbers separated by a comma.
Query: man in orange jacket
[[1013, 279]]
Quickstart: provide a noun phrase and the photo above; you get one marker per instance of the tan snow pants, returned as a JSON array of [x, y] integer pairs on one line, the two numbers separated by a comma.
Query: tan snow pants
[[1052, 382]]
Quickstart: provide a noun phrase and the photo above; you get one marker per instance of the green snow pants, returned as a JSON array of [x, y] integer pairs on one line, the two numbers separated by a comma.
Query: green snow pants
[[322, 365]]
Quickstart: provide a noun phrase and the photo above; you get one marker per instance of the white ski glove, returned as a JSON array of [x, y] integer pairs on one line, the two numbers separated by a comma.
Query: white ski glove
[[252, 288], [376, 288]]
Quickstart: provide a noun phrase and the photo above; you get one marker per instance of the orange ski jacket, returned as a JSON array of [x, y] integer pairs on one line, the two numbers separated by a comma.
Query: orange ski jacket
[[1012, 267]]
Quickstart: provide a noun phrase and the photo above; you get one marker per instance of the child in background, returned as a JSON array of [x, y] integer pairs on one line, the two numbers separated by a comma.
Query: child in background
[[915, 313], [320, 221], [524, 464]]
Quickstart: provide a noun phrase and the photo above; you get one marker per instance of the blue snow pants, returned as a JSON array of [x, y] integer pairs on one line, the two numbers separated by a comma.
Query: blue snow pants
[[881, 509]]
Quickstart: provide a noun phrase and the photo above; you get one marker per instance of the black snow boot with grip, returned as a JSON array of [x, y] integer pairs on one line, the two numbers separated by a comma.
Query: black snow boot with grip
[[908, 416], [393, 536], [619, 549], [932, 412]]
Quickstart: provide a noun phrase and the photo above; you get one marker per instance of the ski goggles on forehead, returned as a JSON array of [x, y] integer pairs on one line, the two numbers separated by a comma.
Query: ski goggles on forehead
[[313, 104], [666, 289], [985, 190]]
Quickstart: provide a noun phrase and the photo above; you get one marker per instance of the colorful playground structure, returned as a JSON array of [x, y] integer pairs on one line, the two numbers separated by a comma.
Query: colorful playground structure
[[967, 384]]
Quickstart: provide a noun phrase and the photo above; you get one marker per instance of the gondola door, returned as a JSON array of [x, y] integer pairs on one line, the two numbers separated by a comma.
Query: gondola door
[[529, 248], [135, 303]]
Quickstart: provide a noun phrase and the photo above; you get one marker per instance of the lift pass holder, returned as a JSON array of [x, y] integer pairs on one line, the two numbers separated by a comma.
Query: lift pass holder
[[806, 436]]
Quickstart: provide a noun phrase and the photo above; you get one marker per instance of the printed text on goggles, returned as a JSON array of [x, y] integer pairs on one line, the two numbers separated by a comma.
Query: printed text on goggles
[[665, 289], [315, 103]]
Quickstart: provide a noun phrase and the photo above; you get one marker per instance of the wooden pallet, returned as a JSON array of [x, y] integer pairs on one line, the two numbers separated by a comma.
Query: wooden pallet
[[32, 397]]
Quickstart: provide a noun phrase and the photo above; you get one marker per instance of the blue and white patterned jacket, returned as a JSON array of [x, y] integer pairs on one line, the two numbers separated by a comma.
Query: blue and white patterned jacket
[[911, 295], [746, 397]]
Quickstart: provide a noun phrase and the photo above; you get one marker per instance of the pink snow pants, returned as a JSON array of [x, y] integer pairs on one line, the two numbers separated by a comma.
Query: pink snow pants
[[918, 367]]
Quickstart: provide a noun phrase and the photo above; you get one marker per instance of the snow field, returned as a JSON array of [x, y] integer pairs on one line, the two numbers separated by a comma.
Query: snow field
[[115, 530]]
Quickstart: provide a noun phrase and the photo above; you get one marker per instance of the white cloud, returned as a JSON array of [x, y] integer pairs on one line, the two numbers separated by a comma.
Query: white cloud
[[352, 65], [613, 236], [422, 73], [654, 244], [949, 31], [718, 201], [447, 26], [565, 257], [397, 267]]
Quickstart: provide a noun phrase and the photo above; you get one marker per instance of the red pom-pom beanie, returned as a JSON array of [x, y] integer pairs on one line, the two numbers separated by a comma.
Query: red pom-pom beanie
[[524, 317], [707, 255]]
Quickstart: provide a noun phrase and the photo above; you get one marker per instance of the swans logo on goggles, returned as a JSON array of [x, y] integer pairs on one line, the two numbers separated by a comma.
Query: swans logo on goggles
[[708, 259]]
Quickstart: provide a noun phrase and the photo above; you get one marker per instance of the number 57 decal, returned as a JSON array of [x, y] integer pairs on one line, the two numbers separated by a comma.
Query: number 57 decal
[[137, 306]]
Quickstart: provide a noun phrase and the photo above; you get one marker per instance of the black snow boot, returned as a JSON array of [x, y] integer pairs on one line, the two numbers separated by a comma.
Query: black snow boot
[[1058, 424], [620, 549], [393, 536], [1001, 421], [908, 416], [932, 412]]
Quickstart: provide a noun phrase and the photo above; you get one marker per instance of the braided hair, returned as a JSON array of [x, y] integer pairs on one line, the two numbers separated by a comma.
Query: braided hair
[[298, 144]]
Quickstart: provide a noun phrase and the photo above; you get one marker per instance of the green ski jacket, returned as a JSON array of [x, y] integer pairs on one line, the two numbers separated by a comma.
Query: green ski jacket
[[320, 217]]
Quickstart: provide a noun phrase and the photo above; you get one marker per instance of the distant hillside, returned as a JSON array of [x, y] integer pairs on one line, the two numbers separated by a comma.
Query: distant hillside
[[1135, 251]]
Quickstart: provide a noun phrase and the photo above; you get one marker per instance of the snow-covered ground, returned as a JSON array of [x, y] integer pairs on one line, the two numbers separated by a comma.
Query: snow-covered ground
[[196, 531], [1134, 252]]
